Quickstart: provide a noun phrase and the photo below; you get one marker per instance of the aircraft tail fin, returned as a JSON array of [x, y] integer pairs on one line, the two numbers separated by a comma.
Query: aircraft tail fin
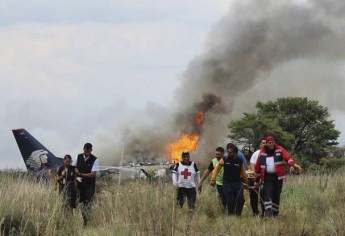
[[34, 154]]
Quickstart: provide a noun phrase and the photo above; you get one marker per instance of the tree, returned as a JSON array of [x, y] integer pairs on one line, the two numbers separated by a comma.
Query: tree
[[337, 152], [299, 124]]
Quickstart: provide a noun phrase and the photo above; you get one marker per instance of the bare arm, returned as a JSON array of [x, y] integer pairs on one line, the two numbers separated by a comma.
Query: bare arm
[[92, 174], [197, 177], [204, 176], [58, 176]]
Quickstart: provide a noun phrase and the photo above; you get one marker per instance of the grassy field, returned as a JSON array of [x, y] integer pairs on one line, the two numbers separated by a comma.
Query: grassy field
[[311, 205]]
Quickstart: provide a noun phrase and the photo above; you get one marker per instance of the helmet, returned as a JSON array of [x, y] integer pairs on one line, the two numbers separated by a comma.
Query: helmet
[[245, 148]]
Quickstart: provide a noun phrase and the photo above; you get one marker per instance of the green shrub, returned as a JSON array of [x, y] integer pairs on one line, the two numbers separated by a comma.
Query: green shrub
[[332, 164]]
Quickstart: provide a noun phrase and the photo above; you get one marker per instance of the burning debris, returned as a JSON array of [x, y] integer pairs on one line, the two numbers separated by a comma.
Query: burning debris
[[186, 142], [192, 122], [191, 119]]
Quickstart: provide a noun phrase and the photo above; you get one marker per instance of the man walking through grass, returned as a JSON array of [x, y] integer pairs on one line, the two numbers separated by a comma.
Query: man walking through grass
[[234, 177], [219, 179], [87, 165], [184, 176], [270, 168]]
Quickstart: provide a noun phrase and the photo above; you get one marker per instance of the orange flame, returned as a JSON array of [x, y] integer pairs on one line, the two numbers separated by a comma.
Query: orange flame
[[188, 142], [200, 118], [185, 143]]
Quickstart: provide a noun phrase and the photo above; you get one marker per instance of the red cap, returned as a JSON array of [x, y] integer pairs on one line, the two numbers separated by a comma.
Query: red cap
[[270, 138]]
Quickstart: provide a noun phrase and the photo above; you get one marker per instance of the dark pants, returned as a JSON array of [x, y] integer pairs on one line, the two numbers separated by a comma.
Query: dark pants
[[221, 194], [86, 195], [272, 190], [70, 194], [234, 197], [256, 195], [190, 193], [261, 200]]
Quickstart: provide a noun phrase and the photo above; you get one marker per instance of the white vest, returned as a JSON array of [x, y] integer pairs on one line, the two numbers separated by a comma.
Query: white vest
[[186, 175]]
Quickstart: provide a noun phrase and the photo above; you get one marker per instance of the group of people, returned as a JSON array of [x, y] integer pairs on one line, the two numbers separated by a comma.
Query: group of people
[[78, 178], [231, 174]]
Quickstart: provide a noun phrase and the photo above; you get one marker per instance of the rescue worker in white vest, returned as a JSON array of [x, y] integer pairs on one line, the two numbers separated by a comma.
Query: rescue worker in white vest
[[87, 165], [219, 179], [234, 177], [184, 176], [270, 168]]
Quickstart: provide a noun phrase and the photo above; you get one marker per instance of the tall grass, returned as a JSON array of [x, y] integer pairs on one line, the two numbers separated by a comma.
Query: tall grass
[[311, 204]]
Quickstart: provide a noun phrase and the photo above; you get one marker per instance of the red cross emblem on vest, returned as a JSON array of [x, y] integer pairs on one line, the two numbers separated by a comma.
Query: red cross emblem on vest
[[185, 173]]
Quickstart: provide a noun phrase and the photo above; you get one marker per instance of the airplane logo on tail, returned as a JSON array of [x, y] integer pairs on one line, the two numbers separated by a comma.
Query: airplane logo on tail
[[34, 154], [37, 159]]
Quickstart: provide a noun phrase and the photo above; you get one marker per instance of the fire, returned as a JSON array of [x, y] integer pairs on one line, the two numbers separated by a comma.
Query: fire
[[200, 118], [188, 142]]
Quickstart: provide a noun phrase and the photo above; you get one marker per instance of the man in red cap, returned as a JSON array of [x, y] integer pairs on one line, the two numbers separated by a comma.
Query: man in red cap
[[270, 168]]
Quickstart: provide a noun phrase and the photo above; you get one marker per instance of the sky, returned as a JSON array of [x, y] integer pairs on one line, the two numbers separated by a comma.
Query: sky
[[72, 71], [88, 71]]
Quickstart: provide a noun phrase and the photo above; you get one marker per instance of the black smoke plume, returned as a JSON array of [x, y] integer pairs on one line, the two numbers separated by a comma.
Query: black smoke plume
[[260, 50]]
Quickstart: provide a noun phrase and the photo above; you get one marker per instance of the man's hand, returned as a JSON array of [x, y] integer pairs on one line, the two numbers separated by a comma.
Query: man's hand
[[292, 169], [213, 183], [256, 185], [199, 187], [297, 166], [298, 169]]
